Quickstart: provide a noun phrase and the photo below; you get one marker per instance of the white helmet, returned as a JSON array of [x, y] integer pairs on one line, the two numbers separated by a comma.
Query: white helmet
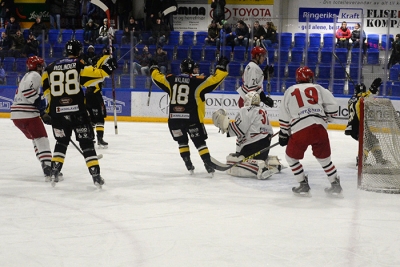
[[252, 98]]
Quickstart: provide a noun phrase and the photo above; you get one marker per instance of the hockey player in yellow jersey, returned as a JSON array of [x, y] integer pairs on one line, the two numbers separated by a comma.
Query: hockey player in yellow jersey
[[187, 106], [62, 85]]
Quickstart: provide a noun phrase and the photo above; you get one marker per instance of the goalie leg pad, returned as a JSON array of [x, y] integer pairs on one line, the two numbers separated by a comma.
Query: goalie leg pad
[[273, 161], [248, 169], [220, 120]]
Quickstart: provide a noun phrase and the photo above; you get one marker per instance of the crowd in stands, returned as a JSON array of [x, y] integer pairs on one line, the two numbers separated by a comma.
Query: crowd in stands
[[153, 33]]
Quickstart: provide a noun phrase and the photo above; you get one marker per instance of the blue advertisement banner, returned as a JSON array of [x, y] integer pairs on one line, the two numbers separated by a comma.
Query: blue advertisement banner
[[7, 94], [327, 15], [123, 101]]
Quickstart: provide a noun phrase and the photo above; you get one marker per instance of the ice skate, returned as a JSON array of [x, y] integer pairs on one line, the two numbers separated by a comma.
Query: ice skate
[[189, 165], [303, 190], [47, 172], [335, 190], [55, 177], [209, 169], [101, 143], [98, 181]]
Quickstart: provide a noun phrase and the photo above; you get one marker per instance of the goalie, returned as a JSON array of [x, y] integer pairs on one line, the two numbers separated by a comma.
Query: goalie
[[253, 131], [352, 127]]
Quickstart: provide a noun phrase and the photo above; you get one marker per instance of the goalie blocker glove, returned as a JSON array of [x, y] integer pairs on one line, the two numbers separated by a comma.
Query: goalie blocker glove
[[221, 120], [375, 85], [222, 63], [109, 65], [266, 100], [283, 138], [268, 70], [153, 65]]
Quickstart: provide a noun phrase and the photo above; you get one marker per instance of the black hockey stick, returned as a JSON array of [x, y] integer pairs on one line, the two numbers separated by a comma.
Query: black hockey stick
[[344, 68], [219, 166], [99, 156], [150, 87]]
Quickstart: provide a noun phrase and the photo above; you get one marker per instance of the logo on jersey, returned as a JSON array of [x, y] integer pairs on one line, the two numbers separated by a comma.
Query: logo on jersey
[[67, 109], [65, 101], [179, 116], [179, 109]]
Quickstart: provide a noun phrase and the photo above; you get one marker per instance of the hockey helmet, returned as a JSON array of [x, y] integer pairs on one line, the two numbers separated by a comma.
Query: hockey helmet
[[34, 62], [73, 47], [258, 51], [304, 75], [252, 98], [187, 65]]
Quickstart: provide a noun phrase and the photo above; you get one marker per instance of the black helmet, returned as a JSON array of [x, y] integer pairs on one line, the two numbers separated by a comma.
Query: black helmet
[[73, 47], [187, 66]]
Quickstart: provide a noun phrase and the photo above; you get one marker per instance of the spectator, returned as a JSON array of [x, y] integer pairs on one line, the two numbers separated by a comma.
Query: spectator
[[258, 34], [169, 8], [142, 61], [357, 38], [159, 33], [395, 56], [90, 32], [12, 27], [39, 28], [2, 76], [31, 47], [84, 9], [90, 56], [70, 11], [270, 34], [18, 44], [196, 70], [123, 9], [133, 26], [105, 32], [55, 8], [5, 45], [218, 7], [343, 35], [213, 37], [227, 36], [7, 8], [161, 57], [242, 34], [152, 9]]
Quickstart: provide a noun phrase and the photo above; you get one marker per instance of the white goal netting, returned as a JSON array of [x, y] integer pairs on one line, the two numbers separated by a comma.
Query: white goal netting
[[379, 149]]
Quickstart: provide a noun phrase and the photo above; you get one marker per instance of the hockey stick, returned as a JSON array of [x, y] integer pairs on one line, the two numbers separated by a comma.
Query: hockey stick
[[223, 167], [121, 57], [149, 95], [344, 68], [99, 156]]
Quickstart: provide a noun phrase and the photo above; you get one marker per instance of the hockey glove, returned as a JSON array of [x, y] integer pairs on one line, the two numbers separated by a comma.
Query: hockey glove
[[46, 118], [221, 120], [360, 88], [375, 85], [266, 100], [109, 65], [153, 65], [268, 70], [222, 63], [283, 138]]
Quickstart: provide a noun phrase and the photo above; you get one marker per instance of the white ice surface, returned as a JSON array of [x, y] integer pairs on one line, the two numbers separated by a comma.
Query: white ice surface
[[153, 213]]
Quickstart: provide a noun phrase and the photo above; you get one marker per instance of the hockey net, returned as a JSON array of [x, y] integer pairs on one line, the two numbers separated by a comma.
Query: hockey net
[[379, 146]]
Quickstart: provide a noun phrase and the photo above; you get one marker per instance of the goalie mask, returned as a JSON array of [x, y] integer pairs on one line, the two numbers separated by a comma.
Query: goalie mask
[[252, 98]]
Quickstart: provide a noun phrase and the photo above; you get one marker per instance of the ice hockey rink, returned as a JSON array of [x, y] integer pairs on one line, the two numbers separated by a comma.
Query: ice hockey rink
[[151, 212]]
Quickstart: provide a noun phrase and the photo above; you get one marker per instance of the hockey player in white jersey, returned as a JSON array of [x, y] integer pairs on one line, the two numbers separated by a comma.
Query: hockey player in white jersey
[[253, 77], [26, 110], [253, 131], [304, 114]]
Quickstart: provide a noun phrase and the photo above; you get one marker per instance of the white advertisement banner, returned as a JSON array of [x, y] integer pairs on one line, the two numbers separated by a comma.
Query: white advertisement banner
[[372, 14], [159, 102]]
